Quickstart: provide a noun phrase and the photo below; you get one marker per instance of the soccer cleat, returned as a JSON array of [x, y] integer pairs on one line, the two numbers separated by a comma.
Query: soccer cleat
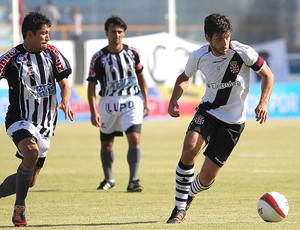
[[177, 216], [134, 186], [18, 218], [106, 185], [189, 202]]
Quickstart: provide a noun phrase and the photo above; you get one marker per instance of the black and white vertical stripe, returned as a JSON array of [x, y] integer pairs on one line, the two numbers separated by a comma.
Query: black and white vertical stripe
[[116, 72], [32, 91]]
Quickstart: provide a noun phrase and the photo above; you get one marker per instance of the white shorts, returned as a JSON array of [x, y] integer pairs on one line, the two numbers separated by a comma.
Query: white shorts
[[117, 114], [42, 142]]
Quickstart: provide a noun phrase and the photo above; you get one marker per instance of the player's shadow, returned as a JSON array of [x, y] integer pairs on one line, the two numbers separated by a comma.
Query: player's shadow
[[86, 225]]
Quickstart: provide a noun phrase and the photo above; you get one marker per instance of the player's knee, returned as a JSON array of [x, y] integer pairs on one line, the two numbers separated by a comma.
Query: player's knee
[[107, 145], [189, 154], [32, 157]]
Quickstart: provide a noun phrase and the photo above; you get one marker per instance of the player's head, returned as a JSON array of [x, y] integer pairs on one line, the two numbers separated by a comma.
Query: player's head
[[116, 21], [217, 24], [217, 28], [33, 22]]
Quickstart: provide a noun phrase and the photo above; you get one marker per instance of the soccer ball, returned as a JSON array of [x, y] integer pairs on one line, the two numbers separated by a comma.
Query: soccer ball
[[273, 207]]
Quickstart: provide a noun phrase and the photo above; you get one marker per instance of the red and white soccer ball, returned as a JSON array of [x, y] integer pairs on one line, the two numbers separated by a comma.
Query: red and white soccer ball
[[273, 207]]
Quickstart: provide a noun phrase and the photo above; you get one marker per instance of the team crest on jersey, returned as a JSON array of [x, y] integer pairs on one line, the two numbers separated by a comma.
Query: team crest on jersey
[[234, 67], [21, 58], [199, 119]]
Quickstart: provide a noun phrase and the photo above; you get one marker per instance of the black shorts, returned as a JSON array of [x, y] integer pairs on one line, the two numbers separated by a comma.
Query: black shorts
[[132, 129], [20, 135], [40, 162], [221, 136]]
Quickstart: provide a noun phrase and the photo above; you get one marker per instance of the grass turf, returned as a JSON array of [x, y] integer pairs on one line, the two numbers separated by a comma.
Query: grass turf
[[65, 196]]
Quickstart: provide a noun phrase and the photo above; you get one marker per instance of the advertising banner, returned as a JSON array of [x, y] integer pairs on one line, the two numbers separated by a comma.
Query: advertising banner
[[163, 57]]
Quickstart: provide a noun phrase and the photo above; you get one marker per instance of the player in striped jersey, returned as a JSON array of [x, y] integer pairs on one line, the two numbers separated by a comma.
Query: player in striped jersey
[[118, 69], [32, 70], [220, 117]]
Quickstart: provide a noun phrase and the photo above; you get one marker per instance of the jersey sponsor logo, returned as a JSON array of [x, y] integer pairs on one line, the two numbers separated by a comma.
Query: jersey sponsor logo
[[123, 84], [5, 58], [224, 85], [234, 67], [45, 90], [118, 107], [221, 60]]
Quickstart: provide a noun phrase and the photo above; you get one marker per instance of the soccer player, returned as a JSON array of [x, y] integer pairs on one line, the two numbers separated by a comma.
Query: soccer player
[[32, 70], [220, 117], [118, 69]]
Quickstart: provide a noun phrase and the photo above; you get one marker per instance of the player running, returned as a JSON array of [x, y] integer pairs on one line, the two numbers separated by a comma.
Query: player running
[[220, 117], [32, 70]]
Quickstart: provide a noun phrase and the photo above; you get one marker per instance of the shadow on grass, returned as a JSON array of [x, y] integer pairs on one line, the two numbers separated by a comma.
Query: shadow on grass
[[82, 190], [86, 225]]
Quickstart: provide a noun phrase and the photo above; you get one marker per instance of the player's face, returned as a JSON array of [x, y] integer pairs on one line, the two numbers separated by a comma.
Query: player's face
[[219, 43], [38, 42], [115, 34]]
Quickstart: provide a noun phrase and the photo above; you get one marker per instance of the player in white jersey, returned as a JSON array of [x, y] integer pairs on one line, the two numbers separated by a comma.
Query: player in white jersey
[[220, 117], [118, 69], [32, 70]]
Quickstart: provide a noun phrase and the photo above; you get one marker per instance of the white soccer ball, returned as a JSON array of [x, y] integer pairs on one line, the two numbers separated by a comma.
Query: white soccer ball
[[273, 207]]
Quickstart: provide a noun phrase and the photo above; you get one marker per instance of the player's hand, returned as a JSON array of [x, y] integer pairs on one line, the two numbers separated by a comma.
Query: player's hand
[[66, 108], [146, 109], [173, 109], [261, 113], [95, 120]]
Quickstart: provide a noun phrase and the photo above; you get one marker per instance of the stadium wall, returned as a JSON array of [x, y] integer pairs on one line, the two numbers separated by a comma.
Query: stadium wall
[[164, 57]]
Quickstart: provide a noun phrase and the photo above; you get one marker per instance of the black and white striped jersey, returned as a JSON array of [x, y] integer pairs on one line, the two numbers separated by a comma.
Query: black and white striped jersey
[[32, 81], [227, 79], [116, 72]]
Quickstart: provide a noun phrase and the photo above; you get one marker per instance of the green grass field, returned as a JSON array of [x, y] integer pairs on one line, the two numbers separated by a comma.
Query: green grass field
[[266, 159]]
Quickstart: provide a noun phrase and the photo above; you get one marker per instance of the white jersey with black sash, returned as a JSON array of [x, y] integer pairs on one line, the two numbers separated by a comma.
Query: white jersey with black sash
[[32, 81], [227, 79], [116, 72]]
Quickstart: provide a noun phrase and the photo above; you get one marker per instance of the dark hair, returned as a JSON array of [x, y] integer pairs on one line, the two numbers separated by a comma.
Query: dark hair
[[33, 22], [115, 20], [216, 24]]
